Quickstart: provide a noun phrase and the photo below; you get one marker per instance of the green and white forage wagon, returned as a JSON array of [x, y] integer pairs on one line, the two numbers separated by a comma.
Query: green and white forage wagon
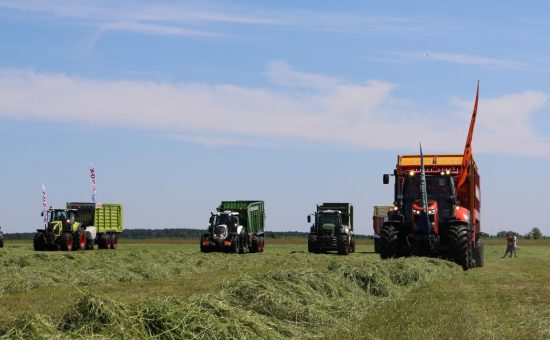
[[236, 227], [81, 225]]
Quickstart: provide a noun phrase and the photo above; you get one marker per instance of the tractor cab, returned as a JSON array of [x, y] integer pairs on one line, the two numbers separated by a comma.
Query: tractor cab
[[222, 224], [61, 219], [441, 200], [328, 222]]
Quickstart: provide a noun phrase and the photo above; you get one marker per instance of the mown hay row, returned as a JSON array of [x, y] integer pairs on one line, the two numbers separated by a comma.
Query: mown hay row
[[280, 304]]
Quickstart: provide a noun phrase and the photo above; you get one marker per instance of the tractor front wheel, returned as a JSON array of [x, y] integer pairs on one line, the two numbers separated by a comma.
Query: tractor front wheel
[[343, 244], [389, 241], [39, 242], [66, 242]]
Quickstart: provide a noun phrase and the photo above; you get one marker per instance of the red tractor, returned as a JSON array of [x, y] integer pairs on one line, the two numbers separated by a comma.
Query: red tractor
[[436, 207]]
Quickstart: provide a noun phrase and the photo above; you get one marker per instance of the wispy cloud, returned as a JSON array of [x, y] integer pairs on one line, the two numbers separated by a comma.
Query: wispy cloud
[[161, 17], [350, 115], [154, 29], [456, 58]]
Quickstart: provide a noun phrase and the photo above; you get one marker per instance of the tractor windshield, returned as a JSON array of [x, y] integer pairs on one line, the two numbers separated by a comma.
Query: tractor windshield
[[330, 218], [437, 186], [229, 220], [58, 215], [61, 215]]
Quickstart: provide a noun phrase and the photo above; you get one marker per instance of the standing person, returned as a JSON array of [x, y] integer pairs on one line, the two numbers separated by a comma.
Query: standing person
[[515, 246], [509, 244]]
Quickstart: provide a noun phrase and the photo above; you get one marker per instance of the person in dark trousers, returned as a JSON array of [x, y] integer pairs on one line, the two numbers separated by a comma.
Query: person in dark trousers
[[510, 243]]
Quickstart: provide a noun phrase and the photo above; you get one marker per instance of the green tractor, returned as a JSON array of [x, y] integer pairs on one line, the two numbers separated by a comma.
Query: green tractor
[[332, 229], [62, 232]]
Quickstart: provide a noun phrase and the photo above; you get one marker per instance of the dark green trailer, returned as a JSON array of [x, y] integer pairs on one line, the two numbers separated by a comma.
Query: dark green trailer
[[332, 229], [102, 222], [236, 227]]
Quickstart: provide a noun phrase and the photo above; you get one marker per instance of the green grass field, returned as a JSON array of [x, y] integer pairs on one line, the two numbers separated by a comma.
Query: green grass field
[[168, 289]]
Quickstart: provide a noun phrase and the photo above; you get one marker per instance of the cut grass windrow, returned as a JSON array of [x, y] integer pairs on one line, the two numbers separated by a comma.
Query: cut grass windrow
[[280, 304]]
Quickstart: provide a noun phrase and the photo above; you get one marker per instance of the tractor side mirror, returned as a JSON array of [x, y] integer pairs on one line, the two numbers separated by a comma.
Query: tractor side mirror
[[42, 214], [308, 218], [386, 179]]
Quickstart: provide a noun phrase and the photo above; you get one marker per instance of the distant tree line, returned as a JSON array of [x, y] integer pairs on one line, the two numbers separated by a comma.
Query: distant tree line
[[534, 234]]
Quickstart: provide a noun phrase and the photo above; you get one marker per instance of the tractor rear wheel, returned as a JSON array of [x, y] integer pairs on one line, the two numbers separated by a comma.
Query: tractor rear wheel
[[80, 237], [459, 245], [389, 241], [352, 245], [342, 243], [39, 242], [66, 242], [478, 253]]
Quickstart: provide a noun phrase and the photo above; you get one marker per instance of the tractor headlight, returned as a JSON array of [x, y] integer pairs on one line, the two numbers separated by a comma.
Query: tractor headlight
[[416, 212], [68, 221], [431, 211]]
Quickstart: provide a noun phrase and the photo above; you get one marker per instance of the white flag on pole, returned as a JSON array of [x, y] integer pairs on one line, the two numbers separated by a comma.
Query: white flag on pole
[[44, 204], [92, 176]]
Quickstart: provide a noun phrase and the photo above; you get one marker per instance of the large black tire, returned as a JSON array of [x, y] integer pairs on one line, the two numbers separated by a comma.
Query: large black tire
[[244, 243], [66, 242], [90, 244], [342, 243], [234, 248], [377, 245], [39, 242], [79, 240], [352, 245], [478, 253], [459, 245], [204, 249], [311, 246], [1, 243], [102, 241], [109, 241], [389, 241], [114, 241], [262, 244]]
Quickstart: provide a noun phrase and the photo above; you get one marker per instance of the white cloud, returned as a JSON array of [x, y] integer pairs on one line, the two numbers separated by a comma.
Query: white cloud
[[339, 113]]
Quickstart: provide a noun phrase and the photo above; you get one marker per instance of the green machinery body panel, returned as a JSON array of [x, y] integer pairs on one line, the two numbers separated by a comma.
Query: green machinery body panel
[[107, 217], [252, 214]]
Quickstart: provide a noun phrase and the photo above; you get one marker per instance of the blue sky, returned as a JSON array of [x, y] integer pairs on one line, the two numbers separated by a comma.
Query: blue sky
[[183, 104]]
